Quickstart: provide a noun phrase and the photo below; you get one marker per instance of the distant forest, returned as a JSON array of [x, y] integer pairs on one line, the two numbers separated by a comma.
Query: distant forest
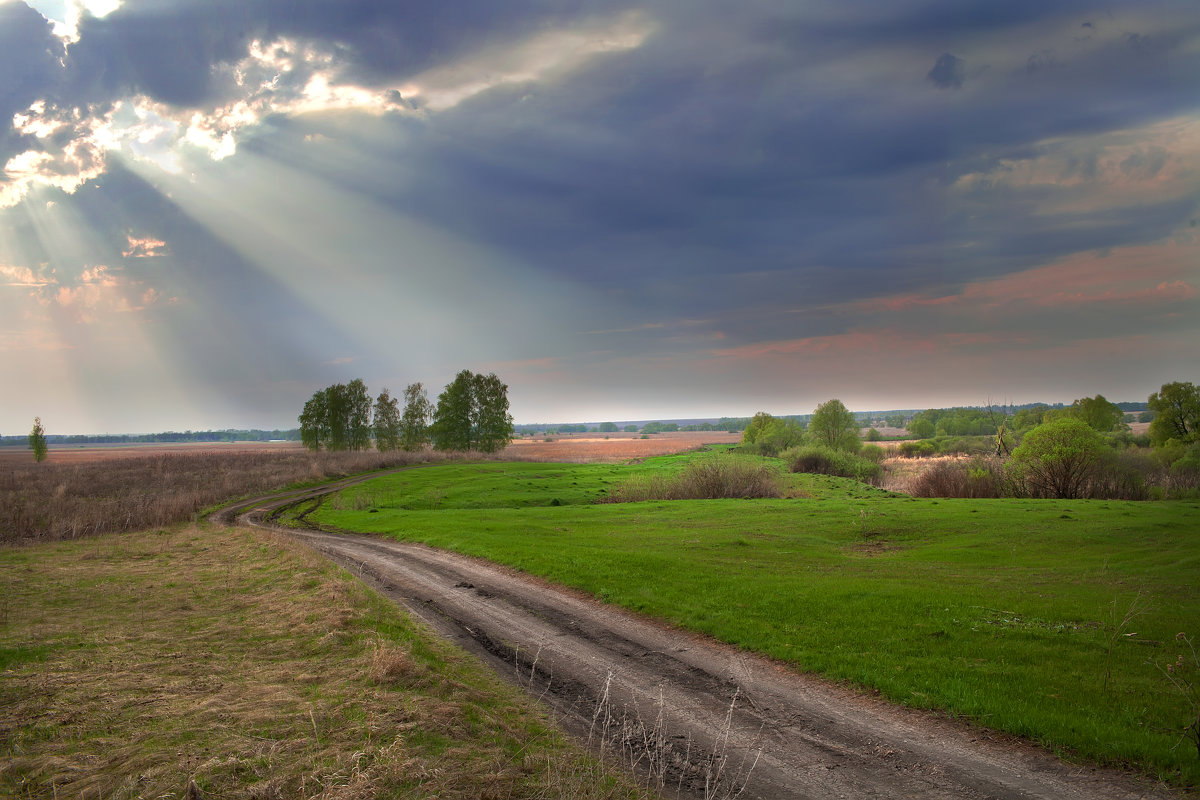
[[896, 418]]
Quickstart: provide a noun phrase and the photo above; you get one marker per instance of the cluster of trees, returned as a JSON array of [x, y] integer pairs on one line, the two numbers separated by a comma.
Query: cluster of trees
[[1096, 412], [831, 425], [1071, 451], [471, 414], [1085, 449]]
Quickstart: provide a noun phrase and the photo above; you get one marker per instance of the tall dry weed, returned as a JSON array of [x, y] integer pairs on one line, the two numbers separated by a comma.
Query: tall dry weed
[[47, 501]]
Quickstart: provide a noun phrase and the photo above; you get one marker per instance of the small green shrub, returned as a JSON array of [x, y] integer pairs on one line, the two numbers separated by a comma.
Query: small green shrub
[[918, 449], [826, 461], [873, 452]]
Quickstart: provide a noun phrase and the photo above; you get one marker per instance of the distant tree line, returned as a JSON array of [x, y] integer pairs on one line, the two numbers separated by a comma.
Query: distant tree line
[[471, 414]]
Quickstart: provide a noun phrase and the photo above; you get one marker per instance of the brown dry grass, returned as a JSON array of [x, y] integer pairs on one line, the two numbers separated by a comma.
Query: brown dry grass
[[612, 447], [71, 499], [134, 664], [899, 473]]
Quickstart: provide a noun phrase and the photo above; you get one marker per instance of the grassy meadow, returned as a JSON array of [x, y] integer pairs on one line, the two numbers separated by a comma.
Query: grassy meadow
[[132, 664], [1053, 620]]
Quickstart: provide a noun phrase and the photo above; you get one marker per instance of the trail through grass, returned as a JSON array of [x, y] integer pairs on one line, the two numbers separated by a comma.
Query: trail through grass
[[1046, 619], [135, 663]]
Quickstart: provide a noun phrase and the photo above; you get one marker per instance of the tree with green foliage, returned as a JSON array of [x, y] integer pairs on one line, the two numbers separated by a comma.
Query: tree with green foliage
[[758, 424], [358, 417], [834, 426], [874, 435], [387, 422], [491, 422], [768, 435], [631, 428], [1098, 413], [37, 440], [921, 428], [451, 428], [313, 420], [1176, 408], [472, 414], [1059, 459], [608, 427], [414, 422], [335, 426], [337, 417]]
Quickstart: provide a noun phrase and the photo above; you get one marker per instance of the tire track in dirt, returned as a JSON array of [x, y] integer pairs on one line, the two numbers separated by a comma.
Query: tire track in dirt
[[695, 717]]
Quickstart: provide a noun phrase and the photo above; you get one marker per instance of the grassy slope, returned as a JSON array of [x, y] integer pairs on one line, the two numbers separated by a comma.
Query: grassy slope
[[134, 663], [1010, 612]]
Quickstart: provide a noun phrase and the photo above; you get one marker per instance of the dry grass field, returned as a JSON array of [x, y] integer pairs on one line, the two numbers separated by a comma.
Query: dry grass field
[[90, 453], [592, 447], [107, 490], [84, 491], [136, 664]]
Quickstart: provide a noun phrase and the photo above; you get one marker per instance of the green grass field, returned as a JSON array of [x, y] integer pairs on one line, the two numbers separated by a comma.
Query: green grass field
[[1046, 619]]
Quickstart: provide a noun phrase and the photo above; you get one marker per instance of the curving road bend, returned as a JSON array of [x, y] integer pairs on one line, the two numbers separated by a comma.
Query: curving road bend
[[694, 717]]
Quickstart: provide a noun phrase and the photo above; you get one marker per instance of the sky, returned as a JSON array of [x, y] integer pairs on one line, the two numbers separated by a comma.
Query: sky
[[209, 209]]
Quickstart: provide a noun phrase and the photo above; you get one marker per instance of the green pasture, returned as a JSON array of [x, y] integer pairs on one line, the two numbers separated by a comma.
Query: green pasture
[[1053, 620]]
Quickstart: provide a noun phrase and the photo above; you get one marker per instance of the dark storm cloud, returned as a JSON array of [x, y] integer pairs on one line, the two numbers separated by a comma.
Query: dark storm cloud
[[29, 65], [948, 72], [748, 170], [169, 51], [714, 148], [662, 162]]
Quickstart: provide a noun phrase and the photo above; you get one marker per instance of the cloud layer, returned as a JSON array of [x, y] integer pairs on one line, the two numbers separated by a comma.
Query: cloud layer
[[661, 209]]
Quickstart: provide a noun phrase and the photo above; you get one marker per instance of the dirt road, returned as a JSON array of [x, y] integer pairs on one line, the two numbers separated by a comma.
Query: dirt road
[[697, 718]]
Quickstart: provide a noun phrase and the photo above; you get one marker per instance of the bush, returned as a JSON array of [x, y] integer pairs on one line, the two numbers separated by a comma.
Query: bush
[[1189, 462], [768, 436], [873, 452], [1122, 476], [966, 445], [825, 461], [919, 449], [980, 477], [715, 478], [1061, 459]]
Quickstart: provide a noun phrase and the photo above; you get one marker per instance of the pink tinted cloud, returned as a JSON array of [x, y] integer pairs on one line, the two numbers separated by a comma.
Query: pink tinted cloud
[[1141, 275], [99, 291], [22, 276]]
